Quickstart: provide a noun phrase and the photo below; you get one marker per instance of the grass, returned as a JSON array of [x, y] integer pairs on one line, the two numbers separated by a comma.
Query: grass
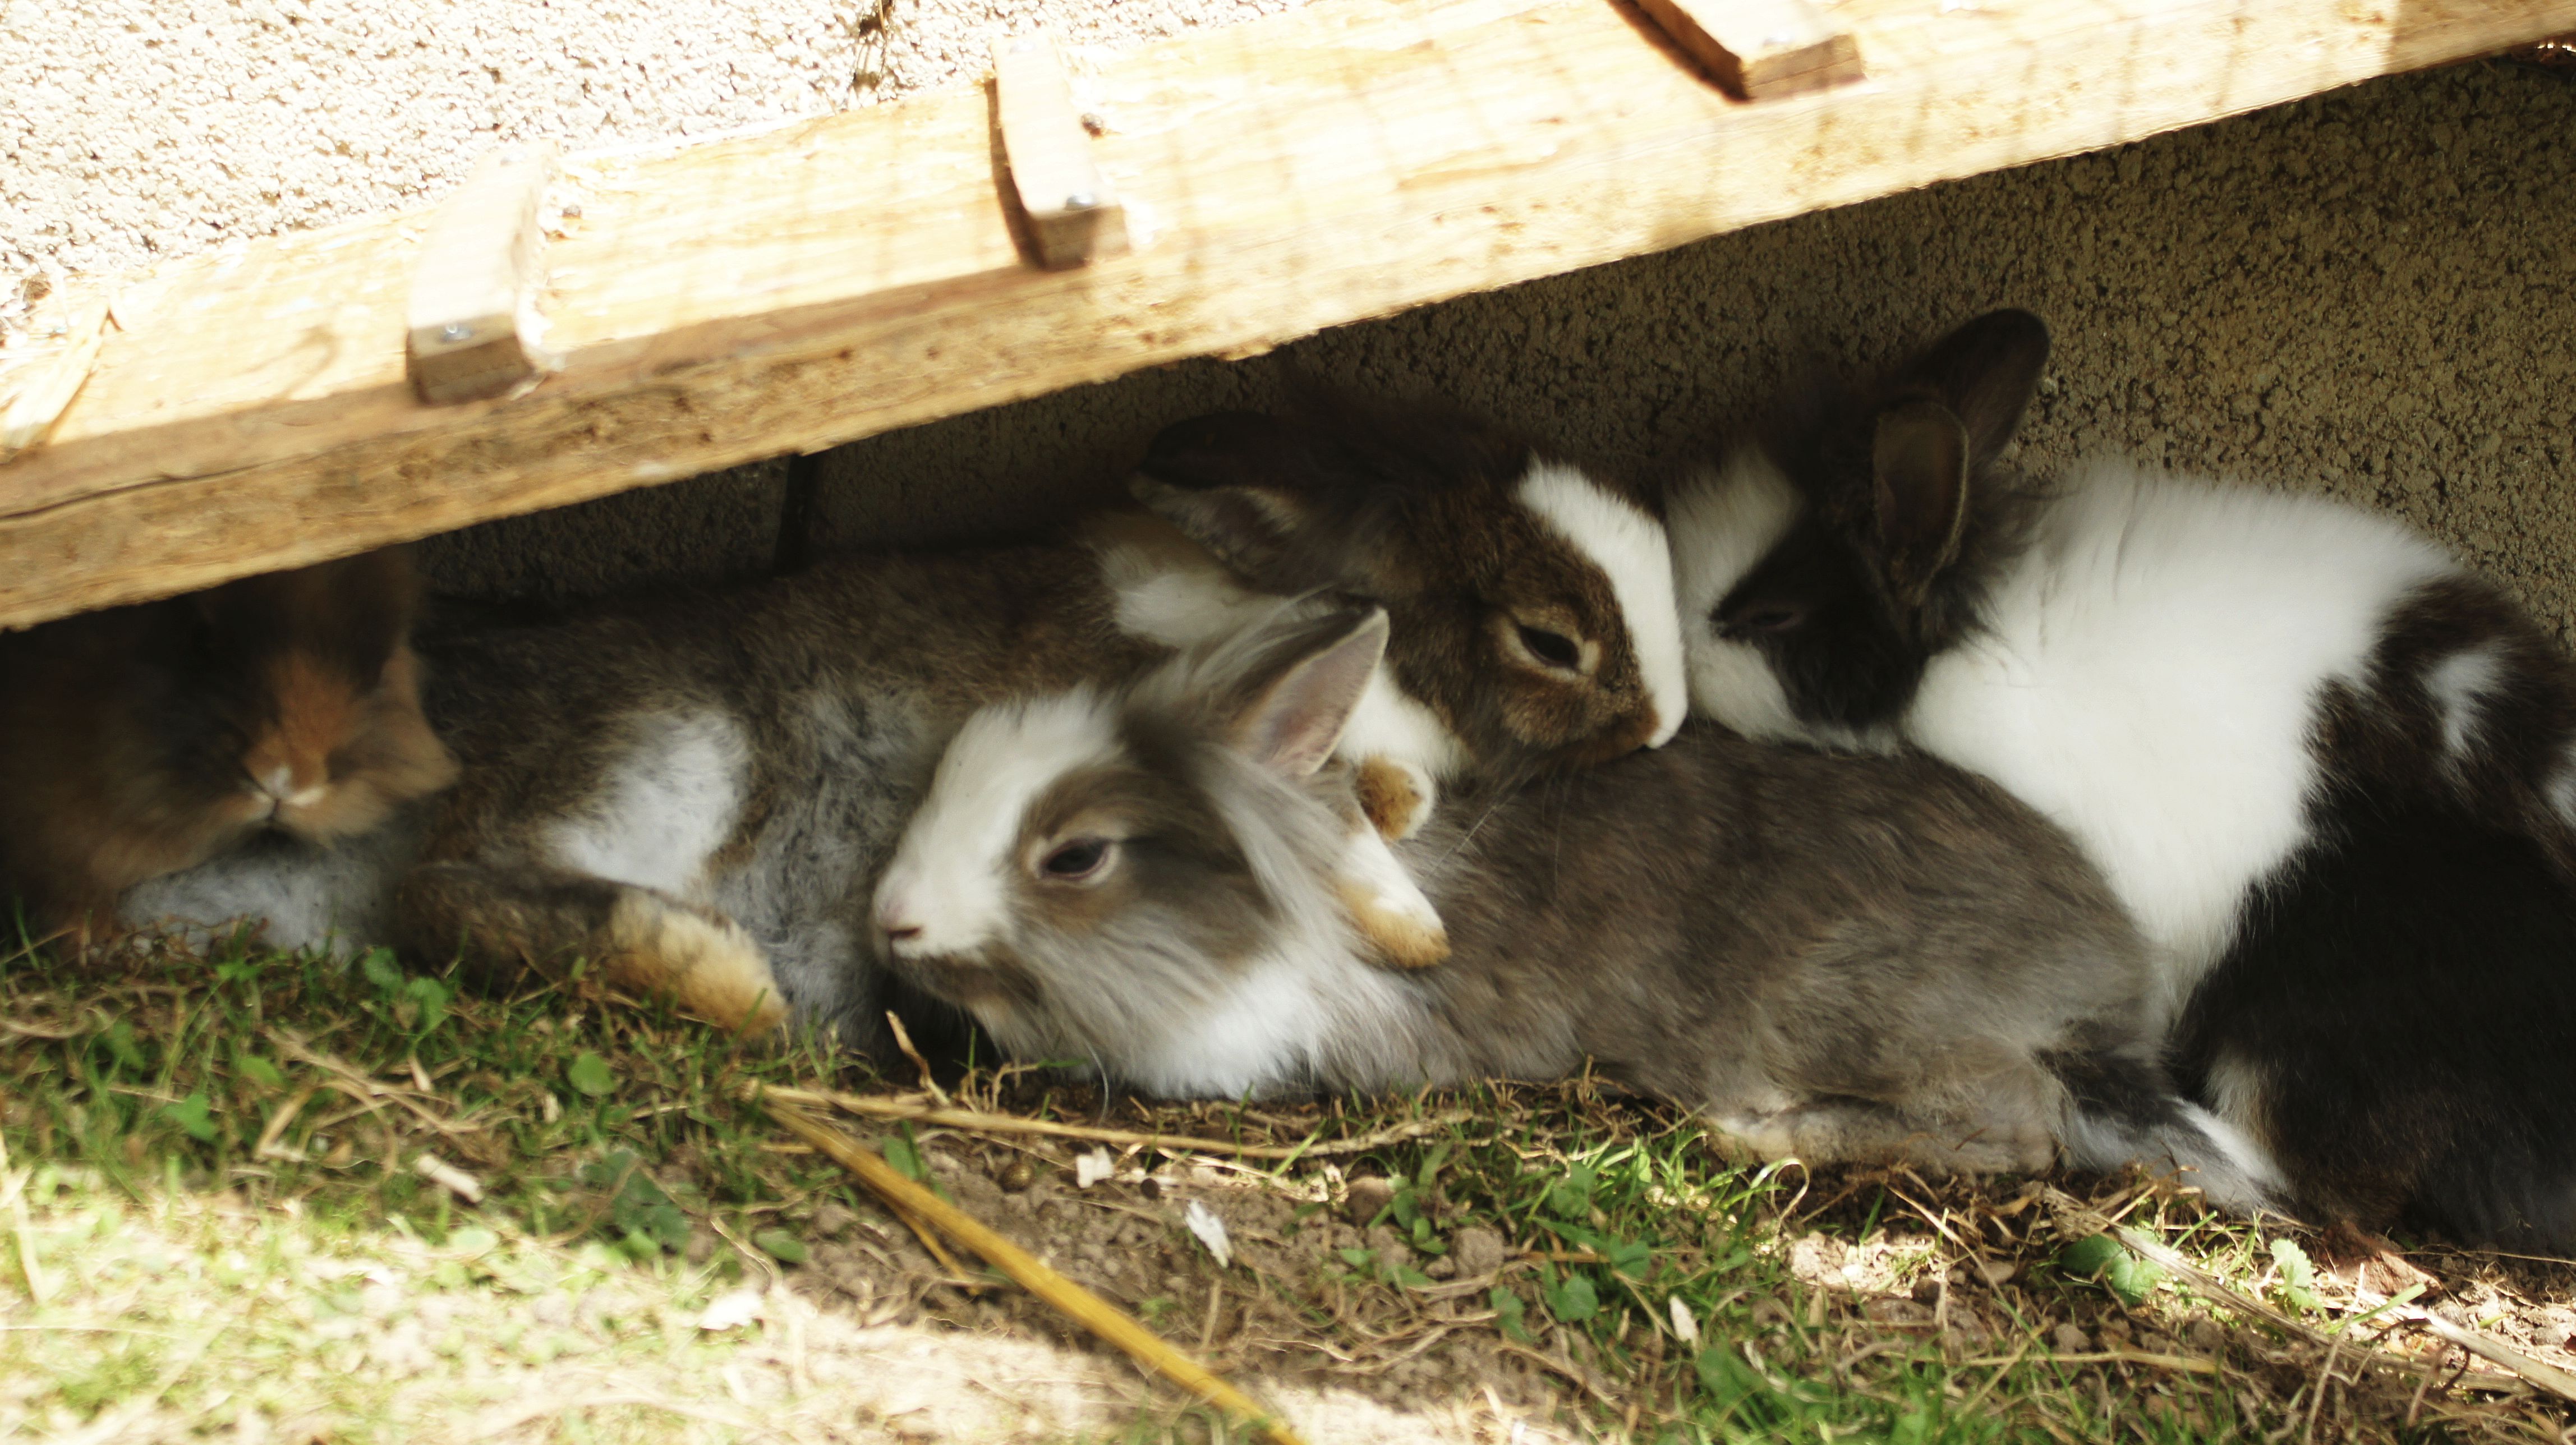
[[213, 1215]]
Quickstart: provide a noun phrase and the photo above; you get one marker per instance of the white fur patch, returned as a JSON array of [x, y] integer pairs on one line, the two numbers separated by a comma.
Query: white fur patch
[[1388, 905], [1723, 523], [668, 803], [2238, 1147], [1389, 722], [951, 875], [2236, 1089], [2459, 686], [2149, 679], [2562, 785], [1250, 1038], [1631, 550], [1167, 588]]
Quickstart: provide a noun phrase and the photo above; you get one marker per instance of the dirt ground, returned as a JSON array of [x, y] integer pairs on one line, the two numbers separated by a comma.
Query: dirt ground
[[272, 1199]]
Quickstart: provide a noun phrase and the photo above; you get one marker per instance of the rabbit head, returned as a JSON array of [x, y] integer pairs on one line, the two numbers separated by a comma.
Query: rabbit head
[[1146, 880], [1820, 570], [313, 717], [1531, 601], [143, 740]]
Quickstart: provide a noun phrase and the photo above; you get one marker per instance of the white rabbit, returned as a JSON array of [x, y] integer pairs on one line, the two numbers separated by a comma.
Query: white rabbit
[[1877, 959], [2324, 766]]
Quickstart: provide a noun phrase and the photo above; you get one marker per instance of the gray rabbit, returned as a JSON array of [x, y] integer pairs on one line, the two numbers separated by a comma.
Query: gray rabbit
[[695, 791], [1841, 959]]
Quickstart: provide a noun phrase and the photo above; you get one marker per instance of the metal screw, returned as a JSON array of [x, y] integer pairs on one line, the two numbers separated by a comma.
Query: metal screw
[[455, 331], [1081, 201]]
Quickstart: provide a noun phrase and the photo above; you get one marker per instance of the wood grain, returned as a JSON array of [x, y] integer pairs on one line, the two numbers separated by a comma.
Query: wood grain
[[1760, 49], [35, 392], [1072, 212], [831, 279], [472, 328]]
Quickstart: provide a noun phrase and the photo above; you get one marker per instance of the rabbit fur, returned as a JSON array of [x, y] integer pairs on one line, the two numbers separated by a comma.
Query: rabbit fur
[[696, 790], [2326, 767], [142, 740], [1867, 959]]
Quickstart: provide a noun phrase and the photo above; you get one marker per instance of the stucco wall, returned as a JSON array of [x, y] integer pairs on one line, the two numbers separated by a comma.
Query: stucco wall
[[2371, 293]]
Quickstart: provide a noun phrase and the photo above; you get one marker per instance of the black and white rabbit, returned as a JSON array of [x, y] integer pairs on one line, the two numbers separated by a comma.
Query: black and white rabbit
[[2325, 767], [696, 791], [1845, 960]]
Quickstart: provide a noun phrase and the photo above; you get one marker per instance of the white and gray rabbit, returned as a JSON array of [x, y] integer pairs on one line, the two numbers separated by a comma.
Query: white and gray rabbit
[[2326, 767], [696, 790], [1874, 959]]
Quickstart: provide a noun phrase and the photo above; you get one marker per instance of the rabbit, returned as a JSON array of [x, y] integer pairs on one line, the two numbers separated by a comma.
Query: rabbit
[[1843, 960], [330, 897], [145, 739], [2327, 768], [696, 790]]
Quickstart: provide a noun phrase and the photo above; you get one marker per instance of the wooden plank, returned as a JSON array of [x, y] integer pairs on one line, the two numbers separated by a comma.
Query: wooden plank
[[472, 325], [35, 392], [1071, 210], [1760, 49], [832, 279]]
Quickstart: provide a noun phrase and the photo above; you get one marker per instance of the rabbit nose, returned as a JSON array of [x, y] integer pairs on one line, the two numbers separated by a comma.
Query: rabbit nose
[[278, 782], [895, 921]]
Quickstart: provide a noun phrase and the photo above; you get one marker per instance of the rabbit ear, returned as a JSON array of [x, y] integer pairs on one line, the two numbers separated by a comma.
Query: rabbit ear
[[1245, 486], [1984, 373], [1919, 473], [1291, 708]]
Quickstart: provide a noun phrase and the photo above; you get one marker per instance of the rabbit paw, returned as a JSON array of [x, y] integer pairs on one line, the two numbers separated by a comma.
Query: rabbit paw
[[1396, 795], [1387, 908], [706, 964]]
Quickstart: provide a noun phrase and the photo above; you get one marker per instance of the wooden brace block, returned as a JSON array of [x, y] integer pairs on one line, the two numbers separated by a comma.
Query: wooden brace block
[[473, 325], [30, 409], [1072, 214], [1760, 49]]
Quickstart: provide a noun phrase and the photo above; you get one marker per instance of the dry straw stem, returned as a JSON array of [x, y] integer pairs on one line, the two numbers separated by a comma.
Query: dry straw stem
[[1081, 1305], [2537, 1373], [979, 1122], [13, 1194]]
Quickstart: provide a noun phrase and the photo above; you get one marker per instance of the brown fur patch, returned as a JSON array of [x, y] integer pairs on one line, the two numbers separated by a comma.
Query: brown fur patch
[[1392, 938], [1418, 509], [706, 965], [1389, 798]]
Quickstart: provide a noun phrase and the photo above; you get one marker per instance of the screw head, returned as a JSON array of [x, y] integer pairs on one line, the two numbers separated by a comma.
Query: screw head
[[455, 331], [1081, 201]]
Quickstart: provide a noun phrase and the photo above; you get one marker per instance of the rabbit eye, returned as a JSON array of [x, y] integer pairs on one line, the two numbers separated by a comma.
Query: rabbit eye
[[1769, 617], [1076, 860], [1553, 648]]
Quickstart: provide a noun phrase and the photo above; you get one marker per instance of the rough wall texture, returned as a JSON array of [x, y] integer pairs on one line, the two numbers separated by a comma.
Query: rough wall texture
[[2371, 293], [276, 115]]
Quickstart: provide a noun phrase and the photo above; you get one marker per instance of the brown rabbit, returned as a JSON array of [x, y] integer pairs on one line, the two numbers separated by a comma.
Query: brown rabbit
[[142, 740]]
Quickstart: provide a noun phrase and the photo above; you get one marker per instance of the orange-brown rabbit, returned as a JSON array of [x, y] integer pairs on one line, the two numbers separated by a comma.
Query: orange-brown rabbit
[[142, 740]]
